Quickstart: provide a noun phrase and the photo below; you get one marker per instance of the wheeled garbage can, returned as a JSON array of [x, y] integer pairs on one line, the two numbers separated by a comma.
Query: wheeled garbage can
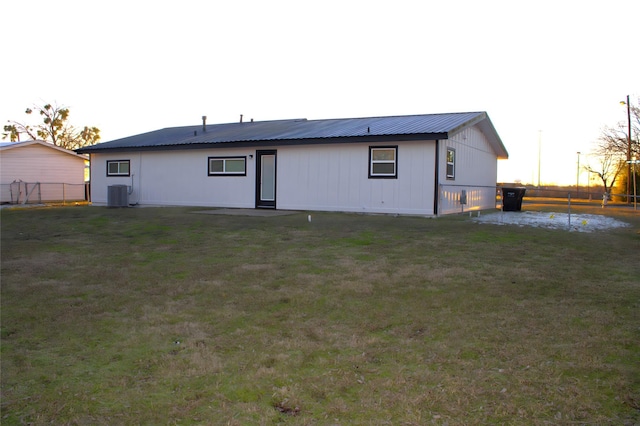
[[512, 199]]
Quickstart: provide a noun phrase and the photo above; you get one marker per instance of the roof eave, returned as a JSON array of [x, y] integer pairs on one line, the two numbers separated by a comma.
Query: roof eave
[[49, 145], [483, 121], [488, 129], [270, 142]]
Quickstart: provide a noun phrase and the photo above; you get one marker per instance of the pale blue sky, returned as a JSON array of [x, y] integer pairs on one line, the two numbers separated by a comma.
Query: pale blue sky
[[560, 67]]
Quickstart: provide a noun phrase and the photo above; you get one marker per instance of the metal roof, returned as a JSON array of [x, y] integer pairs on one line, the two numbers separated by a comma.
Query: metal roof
[[303, 131]]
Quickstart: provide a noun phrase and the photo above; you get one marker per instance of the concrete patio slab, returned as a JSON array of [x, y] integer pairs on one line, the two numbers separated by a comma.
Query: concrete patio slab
[[249, 212]]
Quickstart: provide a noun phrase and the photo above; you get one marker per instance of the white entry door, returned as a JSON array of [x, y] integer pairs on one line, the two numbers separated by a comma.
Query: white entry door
[[266, 179]]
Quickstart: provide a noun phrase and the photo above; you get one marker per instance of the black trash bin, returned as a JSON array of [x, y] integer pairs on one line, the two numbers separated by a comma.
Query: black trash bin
[[512, 199]]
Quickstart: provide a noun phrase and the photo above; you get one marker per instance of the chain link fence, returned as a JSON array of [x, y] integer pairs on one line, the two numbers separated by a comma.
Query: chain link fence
[[19, 192]]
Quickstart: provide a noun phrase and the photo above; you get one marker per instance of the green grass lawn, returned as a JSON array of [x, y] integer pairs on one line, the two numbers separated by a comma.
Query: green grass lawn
[[163, 316]]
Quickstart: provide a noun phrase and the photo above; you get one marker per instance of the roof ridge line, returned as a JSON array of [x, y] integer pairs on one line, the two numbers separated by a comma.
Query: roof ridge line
[[398, 116]]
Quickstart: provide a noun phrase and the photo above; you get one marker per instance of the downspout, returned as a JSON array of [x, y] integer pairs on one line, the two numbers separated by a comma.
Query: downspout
[[88, 187], [436, 180], [139, 178]]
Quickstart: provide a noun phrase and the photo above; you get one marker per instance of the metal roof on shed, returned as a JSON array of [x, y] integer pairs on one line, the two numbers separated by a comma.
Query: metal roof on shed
[[303, 131]]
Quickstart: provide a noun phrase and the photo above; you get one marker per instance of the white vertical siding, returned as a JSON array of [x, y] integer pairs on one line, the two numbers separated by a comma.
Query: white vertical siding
[[335, 178], [48, 165], [176, 178], [476, 172], [311, 177], [38, 163]]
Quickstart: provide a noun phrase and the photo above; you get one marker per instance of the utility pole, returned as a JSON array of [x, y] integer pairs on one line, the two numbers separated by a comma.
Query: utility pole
[[628, 149], [578, 177], [539, 152]]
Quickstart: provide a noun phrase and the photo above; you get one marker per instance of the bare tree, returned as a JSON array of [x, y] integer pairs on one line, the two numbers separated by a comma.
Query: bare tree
[[614, 139], [608, 169], [54, 128], [613, 147]]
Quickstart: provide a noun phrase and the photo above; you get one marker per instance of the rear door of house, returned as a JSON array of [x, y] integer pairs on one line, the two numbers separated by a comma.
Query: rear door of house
[[266, 179]]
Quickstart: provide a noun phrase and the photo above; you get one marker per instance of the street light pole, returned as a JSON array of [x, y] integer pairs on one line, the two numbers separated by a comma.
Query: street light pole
[[578, 177], [628, 149], [539, 153]]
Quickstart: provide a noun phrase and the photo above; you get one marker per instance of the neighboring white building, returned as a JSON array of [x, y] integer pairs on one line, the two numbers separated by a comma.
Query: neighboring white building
[[42, 171], [418, 165]]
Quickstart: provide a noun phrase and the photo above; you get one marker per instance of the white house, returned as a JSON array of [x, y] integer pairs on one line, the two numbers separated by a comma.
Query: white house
[[420, 164], [40, 171]]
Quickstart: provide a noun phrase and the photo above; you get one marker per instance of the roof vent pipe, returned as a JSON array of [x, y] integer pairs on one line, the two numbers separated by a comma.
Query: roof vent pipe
[[241, 118], [204, 123]]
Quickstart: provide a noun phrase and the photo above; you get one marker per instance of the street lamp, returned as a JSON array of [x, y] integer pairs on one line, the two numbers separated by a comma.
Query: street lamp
[[578, 177], [588, 180], [539, 152], [628, 149]]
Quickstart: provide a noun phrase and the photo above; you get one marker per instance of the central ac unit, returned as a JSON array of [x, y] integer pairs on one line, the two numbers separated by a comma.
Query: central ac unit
[[118, 196]]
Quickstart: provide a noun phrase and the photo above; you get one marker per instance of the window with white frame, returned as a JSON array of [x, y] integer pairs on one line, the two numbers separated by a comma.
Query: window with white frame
[[118, 168], [451, 163], [227, 166], [383, 161]]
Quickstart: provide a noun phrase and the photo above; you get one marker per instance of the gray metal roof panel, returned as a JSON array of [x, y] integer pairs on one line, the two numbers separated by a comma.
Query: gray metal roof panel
[[293, 130]]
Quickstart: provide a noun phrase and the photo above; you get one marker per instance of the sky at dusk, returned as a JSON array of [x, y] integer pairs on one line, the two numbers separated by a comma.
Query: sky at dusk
[[548, 73]]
